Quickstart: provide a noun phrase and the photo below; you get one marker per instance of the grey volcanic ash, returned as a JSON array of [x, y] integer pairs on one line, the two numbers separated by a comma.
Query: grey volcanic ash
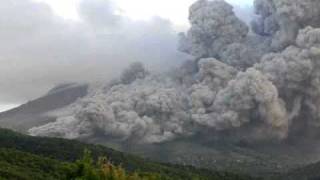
[[265, 79]]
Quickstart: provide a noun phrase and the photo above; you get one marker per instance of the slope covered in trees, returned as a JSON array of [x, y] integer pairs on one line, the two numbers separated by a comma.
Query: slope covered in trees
[[26, 157]]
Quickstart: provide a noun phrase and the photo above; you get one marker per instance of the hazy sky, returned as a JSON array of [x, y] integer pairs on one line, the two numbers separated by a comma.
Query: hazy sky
[[174, 10], [48, 42]]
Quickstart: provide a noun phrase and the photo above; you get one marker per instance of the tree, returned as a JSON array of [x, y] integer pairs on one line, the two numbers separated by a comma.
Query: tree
[[87, 169]]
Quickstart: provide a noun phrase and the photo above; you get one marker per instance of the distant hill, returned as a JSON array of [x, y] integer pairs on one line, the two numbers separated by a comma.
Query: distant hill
[[34, 113], [26, 157]]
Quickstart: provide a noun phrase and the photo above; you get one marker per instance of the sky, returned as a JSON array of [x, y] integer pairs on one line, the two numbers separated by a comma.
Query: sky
[[174, 10], [48, 42]]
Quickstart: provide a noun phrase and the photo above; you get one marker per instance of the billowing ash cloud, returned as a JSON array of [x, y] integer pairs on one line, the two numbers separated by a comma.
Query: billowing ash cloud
[[39, 49], [295, 73], [217, 20], [149, 109], [264, 82], [282, 19]]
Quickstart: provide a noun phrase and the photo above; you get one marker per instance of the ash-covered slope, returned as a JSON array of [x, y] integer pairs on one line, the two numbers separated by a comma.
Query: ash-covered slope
[[35, 113]]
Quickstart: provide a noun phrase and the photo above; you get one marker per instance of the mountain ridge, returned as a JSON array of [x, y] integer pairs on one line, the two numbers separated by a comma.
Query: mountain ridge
[[33, 113]]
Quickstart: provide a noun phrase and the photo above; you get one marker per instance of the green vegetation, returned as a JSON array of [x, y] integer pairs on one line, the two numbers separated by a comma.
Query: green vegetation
[[86, 168], [26, 157], [19, 165]]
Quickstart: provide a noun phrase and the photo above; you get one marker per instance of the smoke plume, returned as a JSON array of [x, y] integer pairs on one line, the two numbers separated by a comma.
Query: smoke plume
[[264, 80]]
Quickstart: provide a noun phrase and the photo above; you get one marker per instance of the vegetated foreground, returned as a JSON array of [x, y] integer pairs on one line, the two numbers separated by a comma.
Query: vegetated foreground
[[26, 157]]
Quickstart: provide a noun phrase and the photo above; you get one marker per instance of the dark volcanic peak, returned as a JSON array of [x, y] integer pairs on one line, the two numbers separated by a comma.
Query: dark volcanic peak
[[34, 112]]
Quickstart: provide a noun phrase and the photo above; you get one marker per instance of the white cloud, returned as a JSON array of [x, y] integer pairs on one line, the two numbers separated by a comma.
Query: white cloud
[[176, 11]]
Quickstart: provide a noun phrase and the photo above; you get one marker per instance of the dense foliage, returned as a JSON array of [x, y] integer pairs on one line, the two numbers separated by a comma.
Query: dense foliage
[[20, 165], [26, 157], [103, 169]]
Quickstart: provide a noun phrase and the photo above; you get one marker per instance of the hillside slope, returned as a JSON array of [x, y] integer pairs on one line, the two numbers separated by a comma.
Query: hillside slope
[[56, 151], [21, 165]]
